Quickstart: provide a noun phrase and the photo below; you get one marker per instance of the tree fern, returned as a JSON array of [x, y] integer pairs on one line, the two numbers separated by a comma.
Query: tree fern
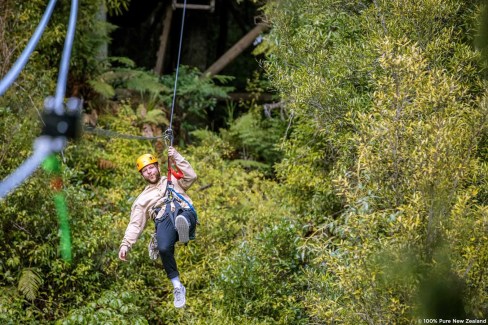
[[29, 283], [127, 76], [157, 117], [103, 88], [121, 60], [145, 82]]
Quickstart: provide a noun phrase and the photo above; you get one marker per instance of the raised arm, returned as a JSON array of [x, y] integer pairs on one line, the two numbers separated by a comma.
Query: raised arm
[[189, 175]]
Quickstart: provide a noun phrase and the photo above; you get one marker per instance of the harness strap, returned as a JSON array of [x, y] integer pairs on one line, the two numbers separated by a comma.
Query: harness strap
[[166, 212], [178, 174], [161, 214], [183, 199]]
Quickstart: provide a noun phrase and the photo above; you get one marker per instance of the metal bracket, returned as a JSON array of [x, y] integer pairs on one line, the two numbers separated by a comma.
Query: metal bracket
[[210, 7]]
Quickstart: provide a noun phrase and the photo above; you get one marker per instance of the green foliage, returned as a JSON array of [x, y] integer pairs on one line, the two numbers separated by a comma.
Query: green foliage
[[254, 135], [38, 78], [117, 7], [252, 277], [195, 95], [102, 88], [23, 97], [256, 139], [388, 116], [16, 137], [383, 192], [92, 35], [156, 117], [111, 308], [12, 307], [121, 73], [29, 283]]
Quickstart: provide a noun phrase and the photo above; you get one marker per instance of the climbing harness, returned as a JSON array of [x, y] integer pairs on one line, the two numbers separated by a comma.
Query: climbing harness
[[170, 208], [61, 122], [184, 200]]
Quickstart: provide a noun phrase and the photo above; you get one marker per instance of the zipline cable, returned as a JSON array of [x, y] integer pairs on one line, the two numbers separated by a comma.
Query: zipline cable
[[113, 134], [169, 131], [14, 72], [177, 69]]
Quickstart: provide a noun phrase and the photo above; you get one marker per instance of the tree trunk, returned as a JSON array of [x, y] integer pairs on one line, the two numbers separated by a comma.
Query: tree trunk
[[235, 50], [163, 41]]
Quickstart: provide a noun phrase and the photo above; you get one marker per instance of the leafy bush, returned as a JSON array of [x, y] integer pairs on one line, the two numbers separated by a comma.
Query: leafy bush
[[388, 119], [111, 308], [259, 279]]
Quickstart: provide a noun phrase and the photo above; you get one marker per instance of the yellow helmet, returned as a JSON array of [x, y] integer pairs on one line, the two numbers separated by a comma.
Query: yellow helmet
[[144, 160]]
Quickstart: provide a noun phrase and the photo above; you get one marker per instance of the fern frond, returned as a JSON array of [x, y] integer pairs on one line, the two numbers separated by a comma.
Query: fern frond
[[223, 78], [29, 283], [102, 88], [156, 116], [123, 61], [145, 82]]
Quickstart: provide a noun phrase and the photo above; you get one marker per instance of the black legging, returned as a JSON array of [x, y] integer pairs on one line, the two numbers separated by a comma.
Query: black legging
[[167, 236]]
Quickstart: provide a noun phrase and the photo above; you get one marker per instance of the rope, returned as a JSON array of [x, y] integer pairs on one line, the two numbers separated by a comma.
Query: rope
[[177, 68], [113, 134], [169, 132], [14, 72]]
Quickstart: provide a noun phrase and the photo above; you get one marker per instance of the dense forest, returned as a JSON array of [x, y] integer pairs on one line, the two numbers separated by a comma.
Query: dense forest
[[342, 162]]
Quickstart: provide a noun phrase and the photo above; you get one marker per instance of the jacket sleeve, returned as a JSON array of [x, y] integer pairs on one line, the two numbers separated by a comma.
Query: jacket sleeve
[[135, 227], [189, 175]]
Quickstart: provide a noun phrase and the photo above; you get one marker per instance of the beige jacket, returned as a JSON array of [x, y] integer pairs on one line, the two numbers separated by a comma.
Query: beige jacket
[[153, 195]]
